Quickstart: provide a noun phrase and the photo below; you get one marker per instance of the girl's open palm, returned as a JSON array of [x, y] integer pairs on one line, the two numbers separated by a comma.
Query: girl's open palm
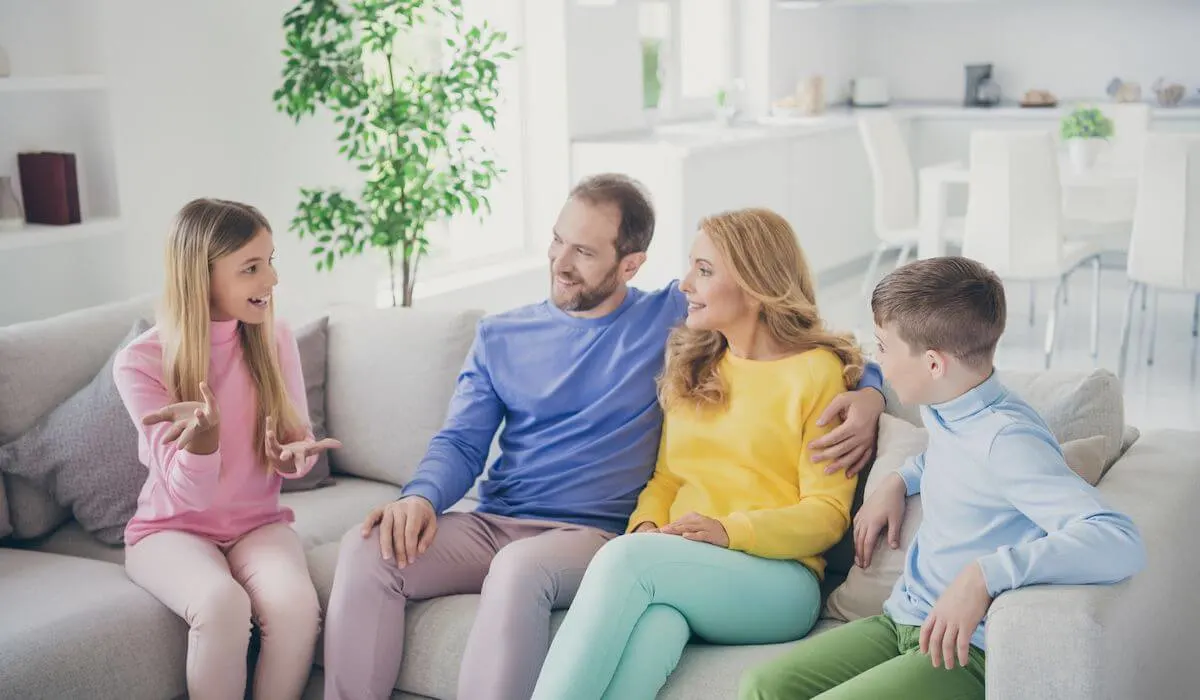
[[289, 458], [189, 420]]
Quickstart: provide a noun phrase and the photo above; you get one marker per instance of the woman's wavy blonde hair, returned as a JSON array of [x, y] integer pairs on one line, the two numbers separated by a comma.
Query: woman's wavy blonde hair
[[204, 231], [765, 260]]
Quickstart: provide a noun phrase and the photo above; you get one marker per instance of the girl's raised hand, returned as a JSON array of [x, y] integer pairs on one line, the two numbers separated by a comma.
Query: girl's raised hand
[[289, 458], [192, 422]]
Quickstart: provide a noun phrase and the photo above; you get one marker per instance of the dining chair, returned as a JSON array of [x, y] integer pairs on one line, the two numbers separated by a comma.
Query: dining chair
[[896, 220], [1164, 249], [1014, 219]]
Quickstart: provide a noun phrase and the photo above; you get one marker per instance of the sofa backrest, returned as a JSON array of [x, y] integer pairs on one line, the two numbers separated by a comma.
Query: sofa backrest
[[390, 376], [42, 363]]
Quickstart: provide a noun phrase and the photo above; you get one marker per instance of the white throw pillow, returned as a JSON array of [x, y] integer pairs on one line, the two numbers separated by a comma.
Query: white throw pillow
[[865, 590]]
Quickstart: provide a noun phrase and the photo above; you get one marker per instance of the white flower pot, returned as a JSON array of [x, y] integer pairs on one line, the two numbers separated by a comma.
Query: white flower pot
[[1083, 153]]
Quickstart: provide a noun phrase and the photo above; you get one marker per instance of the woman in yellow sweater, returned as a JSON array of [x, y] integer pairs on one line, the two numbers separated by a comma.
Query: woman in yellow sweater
[[730, 531]]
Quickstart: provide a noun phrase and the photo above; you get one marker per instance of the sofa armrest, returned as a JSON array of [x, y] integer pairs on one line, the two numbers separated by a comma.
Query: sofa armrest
[[1137, 638]]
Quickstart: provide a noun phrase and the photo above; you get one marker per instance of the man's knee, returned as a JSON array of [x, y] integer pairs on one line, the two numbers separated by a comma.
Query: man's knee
[[519, 572]]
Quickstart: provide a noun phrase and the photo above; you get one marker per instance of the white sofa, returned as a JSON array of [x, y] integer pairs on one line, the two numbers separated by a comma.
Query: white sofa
[[73, 626]]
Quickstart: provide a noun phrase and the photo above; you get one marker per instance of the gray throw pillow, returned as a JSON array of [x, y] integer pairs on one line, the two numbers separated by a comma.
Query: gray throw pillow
[[84, 453], [312, 339]]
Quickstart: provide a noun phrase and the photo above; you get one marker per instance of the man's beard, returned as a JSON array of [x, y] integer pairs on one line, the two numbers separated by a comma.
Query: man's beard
[[586, 298]]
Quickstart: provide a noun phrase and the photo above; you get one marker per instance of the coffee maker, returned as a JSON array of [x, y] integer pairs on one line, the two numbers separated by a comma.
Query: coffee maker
[[981, 90]]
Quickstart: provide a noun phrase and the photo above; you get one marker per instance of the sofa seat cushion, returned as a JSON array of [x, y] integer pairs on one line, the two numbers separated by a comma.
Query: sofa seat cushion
[[74, 628], [437, 629], [323, 515]]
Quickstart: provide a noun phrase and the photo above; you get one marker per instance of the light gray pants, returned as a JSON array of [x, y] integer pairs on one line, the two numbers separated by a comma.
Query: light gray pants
[[523, 568]]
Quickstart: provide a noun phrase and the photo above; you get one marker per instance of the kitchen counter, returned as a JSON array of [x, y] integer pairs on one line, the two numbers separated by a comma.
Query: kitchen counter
[[708, 134]]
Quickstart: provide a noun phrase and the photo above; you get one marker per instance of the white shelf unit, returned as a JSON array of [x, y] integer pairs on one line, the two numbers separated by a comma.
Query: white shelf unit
[[59, 98], [37, 235]]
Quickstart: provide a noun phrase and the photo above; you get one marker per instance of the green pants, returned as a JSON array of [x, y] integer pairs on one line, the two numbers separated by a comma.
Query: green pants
[[644, 596], [870, 659]]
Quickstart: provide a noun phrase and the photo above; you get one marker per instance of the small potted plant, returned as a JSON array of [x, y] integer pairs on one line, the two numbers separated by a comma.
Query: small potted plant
[[1083, 130]]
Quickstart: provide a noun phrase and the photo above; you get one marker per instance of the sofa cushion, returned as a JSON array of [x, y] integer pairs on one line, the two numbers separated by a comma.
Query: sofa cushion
[[71, 540], [73, 628], [324, 515], [864, 590], [390, 377], [6, 527], [1075, 405], [436, 635], [32, 509], [312, 339], [42, 363], [84, 454]]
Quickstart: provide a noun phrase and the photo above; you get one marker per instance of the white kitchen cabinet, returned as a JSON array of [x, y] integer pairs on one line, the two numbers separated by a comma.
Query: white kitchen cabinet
[[818, 181]]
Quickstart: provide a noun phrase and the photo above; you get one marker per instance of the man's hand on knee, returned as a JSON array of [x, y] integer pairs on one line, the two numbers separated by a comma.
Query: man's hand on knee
[[406, 528]]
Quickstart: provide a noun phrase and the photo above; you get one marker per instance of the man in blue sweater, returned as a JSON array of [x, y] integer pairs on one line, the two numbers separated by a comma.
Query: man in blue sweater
[[572, 380], [1002, 509]]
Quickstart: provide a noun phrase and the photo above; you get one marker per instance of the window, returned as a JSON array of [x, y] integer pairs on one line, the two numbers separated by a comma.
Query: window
[[473, 240], [654, 25], [687, 54], [705, 51]]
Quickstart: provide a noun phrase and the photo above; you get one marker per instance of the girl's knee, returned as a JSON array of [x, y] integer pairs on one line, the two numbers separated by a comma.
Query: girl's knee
[[224, 606], [293, 606]]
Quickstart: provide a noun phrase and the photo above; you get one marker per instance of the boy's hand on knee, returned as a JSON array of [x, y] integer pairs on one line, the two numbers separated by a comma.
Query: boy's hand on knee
[[406, 529], [956, 615], [884, 510]]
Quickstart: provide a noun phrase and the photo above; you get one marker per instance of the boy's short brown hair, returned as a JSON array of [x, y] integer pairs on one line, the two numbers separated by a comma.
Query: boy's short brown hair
[[950, 304]]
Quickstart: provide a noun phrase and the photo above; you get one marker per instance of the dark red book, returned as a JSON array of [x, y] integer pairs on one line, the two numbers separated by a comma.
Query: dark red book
[[50, 188]]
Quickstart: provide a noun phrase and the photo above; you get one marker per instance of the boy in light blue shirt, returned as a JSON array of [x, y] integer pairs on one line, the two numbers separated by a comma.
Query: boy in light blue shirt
[[1002, 509]]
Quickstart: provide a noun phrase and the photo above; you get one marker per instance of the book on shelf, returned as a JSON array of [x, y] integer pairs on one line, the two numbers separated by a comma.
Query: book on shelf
[[49, 187]]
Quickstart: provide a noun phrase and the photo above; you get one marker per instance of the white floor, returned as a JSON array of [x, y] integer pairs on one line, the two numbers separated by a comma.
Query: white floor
[[1165, 394]]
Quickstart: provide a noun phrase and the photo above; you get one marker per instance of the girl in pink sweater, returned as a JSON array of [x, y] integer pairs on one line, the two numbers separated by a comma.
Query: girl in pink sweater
[[216, 392]]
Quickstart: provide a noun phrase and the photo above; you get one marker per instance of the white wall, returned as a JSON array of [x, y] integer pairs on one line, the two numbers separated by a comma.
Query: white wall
[[193, 116], [1070, 47], [604, 68], [820, 41]]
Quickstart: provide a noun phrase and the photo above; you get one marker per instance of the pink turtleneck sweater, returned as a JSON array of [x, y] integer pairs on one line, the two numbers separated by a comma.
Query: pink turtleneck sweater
[[223, 495]]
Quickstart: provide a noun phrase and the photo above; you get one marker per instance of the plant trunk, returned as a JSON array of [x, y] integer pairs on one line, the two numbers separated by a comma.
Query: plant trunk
[[392, 272], [406, 266]]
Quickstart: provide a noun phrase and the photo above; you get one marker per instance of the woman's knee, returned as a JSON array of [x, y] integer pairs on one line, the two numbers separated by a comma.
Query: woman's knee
[[627, 555]]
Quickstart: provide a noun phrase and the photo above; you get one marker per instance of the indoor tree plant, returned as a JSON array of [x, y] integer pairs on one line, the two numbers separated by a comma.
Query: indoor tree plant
[[1083, 130], [408, 115]]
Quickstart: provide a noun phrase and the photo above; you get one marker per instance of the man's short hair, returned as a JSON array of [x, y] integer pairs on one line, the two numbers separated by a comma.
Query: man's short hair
[[951, 304], [633, 202]]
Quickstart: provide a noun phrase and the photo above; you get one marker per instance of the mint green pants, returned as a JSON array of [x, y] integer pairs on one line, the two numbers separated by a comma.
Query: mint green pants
[[869, 659], [645, 595]]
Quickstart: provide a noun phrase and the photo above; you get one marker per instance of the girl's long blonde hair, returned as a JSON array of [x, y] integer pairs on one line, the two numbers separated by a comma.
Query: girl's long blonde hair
[[204, 231], [766, 261]]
